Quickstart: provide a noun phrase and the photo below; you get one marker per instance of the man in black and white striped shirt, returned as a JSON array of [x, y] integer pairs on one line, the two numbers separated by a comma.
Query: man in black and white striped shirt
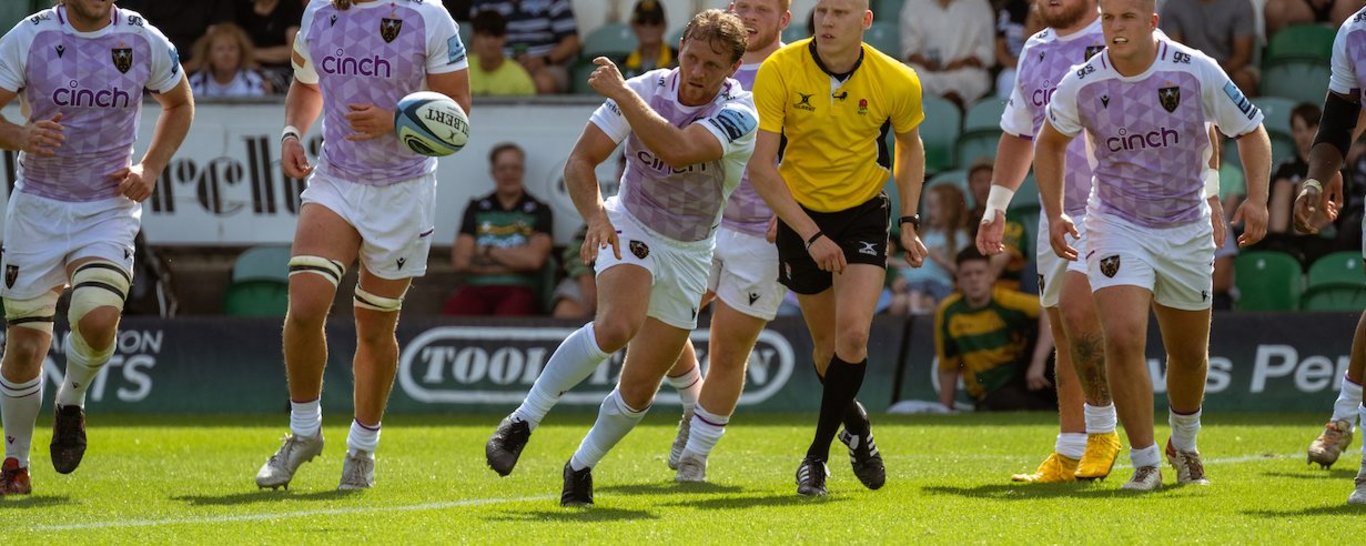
[[542, 36]]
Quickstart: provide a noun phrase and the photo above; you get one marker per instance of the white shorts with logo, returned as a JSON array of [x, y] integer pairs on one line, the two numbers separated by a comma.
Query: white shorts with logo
[[395, 222], [1052, 269], [744, 274], [1176, 263], [678, 269], [43, 235]]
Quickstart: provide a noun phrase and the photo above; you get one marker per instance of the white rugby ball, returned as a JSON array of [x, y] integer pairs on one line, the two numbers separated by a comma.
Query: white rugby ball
[[431, 124]]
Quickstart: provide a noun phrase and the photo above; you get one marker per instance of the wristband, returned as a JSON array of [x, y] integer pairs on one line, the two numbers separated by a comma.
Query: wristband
[[998, 200], [1211, 179], [913, 220], [1311, 183], [291, 131], [813, 239]]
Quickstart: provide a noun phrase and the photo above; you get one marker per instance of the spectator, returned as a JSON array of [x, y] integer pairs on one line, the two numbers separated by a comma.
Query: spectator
[[996, 339], [1226, 30], [504, 241], [272, 24], [491, 73], [576, 297], [1285, 185], [229, 69], [647, 22], [917, 290], [950, 43], [183, 22], [1012, 19], [542, 36], [1008, 266], [1283, 13]]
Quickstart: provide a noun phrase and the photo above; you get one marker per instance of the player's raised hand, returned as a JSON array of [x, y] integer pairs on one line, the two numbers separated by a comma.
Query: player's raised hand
[[991, 234], [369, 121], [43, 136], [293, 159], [827, 254], [1058, 230], [606, 79], [135, 182], [1253, 216], [601, 234], [915, 248]]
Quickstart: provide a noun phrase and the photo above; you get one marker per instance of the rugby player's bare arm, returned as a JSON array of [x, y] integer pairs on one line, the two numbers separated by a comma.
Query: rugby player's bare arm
[[39, 137], [675, 146], [455, 85], [581, 179], [177, 113]]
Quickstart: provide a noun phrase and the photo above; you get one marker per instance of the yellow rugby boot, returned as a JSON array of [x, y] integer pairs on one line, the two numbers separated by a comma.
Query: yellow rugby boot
[[1055, 469], [1101, 451]]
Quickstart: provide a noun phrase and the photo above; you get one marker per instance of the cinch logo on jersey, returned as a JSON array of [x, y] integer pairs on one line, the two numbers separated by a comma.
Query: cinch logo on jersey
[[496, 365], [1156, 138], [658, 165], [1043, 95], [343, 65], [75, 95]]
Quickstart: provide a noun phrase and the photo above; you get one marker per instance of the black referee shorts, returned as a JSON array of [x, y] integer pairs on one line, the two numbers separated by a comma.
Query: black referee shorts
[[860, 231]]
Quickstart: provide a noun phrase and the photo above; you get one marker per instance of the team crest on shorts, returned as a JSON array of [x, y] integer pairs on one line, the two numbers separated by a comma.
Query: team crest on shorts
[[123, 58], [1109, 265], [641, 250], [1170, 97], [11, 275], [389, 29]]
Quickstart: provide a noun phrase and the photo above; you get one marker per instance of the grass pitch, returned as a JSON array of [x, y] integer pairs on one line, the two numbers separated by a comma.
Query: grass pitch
[[190, 480]]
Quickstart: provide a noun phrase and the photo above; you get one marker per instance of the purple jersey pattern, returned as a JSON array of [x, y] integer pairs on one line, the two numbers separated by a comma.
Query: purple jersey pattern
[[1149, 133], [358, 61], [95, 81], [745, 211], [1046, 60]]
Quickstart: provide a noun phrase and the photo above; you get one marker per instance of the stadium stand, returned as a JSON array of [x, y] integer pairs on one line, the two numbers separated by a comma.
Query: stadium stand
[[1300, 81], [1336, 283], [1267, 281], [260, 283], [1312, 43], [940, 132], [609, 40]]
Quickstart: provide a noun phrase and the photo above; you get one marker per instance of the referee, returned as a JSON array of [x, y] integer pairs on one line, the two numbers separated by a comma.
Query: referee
[[834, 98]]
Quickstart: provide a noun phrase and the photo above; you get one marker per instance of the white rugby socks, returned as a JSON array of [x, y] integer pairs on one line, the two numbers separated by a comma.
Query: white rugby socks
[[1184, 429], [689, 387], [572, 362], [1349, 399], [81, 369], [706, 430], [1148, 456], [615, 420], [1071, 445], [306, 418], [362, 438], [19, 406], [1100, 419]]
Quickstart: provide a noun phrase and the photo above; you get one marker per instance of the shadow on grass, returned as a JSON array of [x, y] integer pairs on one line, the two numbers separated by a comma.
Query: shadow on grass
[[24, 502], [1043, 491], [261, 496], [758, 501], [1315, 474], [584, 515], [665, 488], [1343, 509]]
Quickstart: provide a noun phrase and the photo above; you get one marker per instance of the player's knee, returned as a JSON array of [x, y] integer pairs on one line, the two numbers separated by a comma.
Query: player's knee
[[25, 349], [636, 396], [1078, 318], [327, 269], [374, 302], [98, 290], [852, 339], [35, 313], [612, 334]]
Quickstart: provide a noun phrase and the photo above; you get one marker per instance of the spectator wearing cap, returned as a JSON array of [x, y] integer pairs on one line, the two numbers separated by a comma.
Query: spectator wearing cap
[[647, 22], [491, 72], [541, 35]]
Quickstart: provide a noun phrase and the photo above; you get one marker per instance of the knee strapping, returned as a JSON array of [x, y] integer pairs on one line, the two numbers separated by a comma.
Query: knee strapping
[[34, 313], [329, 269], [94, 285], [366, 300]]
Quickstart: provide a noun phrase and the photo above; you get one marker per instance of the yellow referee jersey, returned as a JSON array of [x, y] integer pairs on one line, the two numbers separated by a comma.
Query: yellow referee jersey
[[836, 156]]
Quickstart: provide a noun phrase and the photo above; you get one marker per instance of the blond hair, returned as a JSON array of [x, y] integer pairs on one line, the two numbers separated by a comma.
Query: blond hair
[[200, 50], [719, 27]]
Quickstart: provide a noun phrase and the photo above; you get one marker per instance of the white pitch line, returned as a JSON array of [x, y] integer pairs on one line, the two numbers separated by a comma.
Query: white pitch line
[[284, 515], [1235, 460]]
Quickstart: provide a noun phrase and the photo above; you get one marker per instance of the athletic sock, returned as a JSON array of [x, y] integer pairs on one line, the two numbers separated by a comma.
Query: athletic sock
[[1071, 445], [689, 386], [1100, 419], [856, 419], [1184, 429], [572, 362], [615, 420], [1349, 399], [842, 382], [707, 428], [19, 407], [81, 369], [306, 418], [362, 438], [1148, 456]]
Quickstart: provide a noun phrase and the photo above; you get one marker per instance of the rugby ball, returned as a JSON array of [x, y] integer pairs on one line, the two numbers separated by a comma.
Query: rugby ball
[[431, 124]]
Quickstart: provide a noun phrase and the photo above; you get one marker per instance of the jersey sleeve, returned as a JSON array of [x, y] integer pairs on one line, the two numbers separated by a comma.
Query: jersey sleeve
[[1018, 119], [734, 126], [304, 72], [769, 92], [445, 51], [166, 72], [1344, 78], [910, 111], [1063, 113], [14, 57], [1226, 105], [609, 118]]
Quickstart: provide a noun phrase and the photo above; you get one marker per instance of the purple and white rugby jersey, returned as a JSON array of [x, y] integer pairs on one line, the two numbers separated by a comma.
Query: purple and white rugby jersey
[[746, 212], [1148, 131], [95, 81], [373, 53], [683, 203], [1349, 57], [1045, 60]]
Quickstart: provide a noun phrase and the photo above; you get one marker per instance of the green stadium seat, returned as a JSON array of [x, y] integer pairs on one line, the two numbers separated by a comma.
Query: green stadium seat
[[1282, 148], [1300, 43], [1336, 283], [887, 10], [984, 115], [578, 77], [611, 40], [1277, 113], [262, 263], [1299, 81], [974, 145], [1267, 281], [466, 34], [940, 132], [1334, 298], [259, 298], [885, 36]]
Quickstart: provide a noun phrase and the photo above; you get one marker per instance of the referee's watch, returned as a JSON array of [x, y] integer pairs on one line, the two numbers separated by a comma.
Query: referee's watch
[[912, 219]]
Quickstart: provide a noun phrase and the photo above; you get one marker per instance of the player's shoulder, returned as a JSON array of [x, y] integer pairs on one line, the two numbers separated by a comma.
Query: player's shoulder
[[1040, 38], [790, 55], [733, 92], [1356, 22], [1179, 56], [36, 23], [887, 67], [654, 82]]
